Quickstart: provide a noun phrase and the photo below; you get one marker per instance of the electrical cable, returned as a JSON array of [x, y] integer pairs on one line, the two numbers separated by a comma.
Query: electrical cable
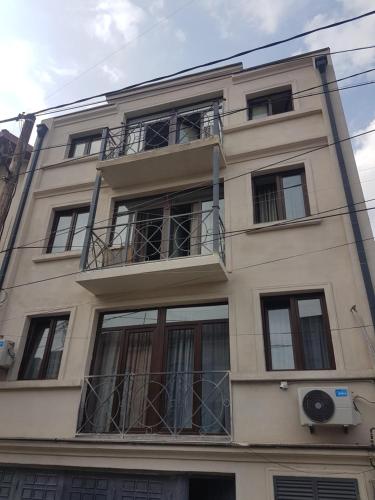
[[210, 63], [199, 186]]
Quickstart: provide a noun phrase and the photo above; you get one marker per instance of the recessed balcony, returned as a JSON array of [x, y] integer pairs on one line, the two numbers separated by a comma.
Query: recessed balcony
[[153, 253], [161, 148]]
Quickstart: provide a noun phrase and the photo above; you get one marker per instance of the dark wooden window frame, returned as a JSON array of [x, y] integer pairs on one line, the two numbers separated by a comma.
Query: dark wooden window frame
[[140, 205], [159, 345], [280, 201], [73, 212], [87, 140], [35, 322], [290, 301], [268, 98]]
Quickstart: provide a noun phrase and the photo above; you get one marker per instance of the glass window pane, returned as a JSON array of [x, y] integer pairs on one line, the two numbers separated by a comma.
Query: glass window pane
[[215, 412], [54, 358], [293, 196], [197, 313], [35, 350], [314, 340], [280, 339], [189, 128], [61, 235], [266, 201], [179, 379], [259, 110], [130, 318], [78, 149], [121, 229], [95, 146], [157, 135], [80, 230]]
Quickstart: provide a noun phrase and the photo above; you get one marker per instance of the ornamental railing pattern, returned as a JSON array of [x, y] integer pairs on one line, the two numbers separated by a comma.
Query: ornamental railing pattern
[[144, 238], [169, 403], [176, 127]]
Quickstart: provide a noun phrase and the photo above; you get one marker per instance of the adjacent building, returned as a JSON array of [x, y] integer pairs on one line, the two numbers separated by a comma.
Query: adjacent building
[[190, 297]]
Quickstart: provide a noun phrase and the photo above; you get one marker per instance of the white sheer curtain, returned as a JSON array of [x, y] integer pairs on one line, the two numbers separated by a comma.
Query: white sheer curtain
[[314, 340], [179, 378], [215, 415], [100, 399], [136, 380]]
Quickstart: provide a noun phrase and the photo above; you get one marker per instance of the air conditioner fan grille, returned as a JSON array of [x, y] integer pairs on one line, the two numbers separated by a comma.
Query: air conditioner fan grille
[[318, 406]]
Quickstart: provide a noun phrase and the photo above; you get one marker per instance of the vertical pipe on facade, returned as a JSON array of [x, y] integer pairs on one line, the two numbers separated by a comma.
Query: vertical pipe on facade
[[321, 63], [41, 132], [216, 183], [93, 204]]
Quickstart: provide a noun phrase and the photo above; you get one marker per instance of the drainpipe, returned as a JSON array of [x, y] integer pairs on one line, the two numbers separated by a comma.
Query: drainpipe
[[321, 63], [41, 132], [216, 184], [93, 205]]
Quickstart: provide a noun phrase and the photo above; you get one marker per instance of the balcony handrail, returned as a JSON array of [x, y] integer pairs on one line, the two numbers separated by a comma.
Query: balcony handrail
[[151, 220], [174, 403], [157, 238], [130, 138]]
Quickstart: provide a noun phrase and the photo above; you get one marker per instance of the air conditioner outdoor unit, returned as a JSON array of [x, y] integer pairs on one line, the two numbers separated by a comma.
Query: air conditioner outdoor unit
[[6, 353], [327, 406]]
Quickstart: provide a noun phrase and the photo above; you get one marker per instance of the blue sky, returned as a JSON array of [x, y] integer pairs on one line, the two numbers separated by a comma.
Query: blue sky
[[50, 46]]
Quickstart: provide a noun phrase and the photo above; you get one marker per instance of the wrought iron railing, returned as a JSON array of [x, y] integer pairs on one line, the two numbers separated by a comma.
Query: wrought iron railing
[[170, 403], [148, 239], [177, 127]]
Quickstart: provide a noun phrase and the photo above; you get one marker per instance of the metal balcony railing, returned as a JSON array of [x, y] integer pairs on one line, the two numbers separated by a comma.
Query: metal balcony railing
[[177, 127], [144, 238], [170, 403]]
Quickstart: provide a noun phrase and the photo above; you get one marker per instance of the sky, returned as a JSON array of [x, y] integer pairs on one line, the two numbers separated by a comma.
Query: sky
[[54, 52]]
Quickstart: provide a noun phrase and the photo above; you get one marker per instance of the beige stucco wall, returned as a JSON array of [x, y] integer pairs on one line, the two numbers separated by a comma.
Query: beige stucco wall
[[295, 258]]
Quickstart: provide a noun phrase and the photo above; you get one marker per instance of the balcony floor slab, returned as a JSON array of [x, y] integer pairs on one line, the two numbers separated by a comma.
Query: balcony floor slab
[[138, 278], [171, 162]]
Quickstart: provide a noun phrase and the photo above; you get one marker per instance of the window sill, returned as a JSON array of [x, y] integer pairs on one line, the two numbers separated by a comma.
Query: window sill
[[40, 384], [281, 117], [72, 161], [282, 224], [302, 376], [51, 257]]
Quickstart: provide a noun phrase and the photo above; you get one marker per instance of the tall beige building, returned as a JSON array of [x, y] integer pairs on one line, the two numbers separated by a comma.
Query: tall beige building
[[190, 297]]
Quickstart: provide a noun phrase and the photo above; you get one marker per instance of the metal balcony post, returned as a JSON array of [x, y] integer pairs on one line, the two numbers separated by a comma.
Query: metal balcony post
[[93, 205], [216, 184]]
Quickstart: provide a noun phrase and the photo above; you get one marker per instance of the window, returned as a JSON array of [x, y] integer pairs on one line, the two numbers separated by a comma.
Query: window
[[315, 488], [175, 227], [270, 104], [179, 126], [280, 196], [158, 361], [68, 230], [44, 348], [296, 333], [87, 145]]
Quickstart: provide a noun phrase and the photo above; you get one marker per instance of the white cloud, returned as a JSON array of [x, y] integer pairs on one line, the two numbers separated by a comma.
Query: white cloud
[[114, 74], [117, 17], [356, 34], [364, 150], [180, 35], [21, 85], [264, 16]]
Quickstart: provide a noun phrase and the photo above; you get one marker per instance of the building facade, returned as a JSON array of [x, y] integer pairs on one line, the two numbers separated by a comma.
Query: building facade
[[189, 298]]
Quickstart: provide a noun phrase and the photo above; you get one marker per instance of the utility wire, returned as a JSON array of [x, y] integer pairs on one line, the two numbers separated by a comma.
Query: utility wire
[[199, 186], [204, 65], [237, 110]]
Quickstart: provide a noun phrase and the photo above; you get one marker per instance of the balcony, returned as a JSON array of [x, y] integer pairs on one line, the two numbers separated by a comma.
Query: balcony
[[148, 252], [163, 147], [144, 406]]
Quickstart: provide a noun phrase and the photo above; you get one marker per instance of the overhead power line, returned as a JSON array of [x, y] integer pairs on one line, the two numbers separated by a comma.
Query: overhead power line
[[295, 95], [207, 64]]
